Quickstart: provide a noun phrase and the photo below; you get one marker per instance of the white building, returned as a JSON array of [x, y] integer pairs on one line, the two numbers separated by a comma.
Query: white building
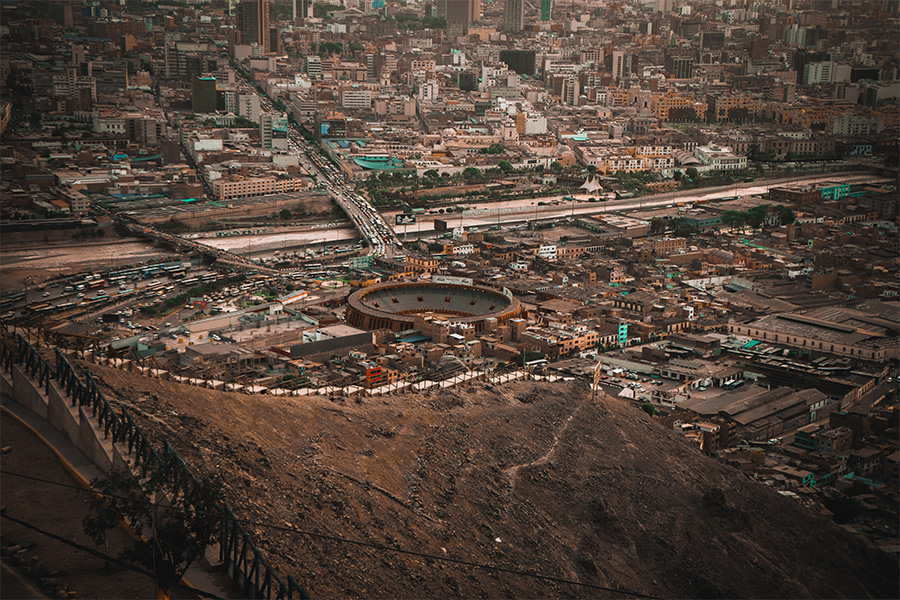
[[850, 124], [430, 90], [248, 106], [353, 98], [720, 158], [535, 125]]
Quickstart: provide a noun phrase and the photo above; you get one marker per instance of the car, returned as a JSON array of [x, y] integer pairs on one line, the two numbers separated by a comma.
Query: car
[[45, 294]]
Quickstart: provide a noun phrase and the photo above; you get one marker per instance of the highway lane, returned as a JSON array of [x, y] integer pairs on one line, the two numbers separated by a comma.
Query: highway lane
[[514, 211], [382, 239]]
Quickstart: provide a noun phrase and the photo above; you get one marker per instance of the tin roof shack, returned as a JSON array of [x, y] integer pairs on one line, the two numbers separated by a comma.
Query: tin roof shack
[[833, 330], [759, 413], [702, 345]]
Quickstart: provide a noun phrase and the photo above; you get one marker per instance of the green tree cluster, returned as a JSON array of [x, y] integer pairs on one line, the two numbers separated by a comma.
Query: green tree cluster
[[495, 148], [756, 216]]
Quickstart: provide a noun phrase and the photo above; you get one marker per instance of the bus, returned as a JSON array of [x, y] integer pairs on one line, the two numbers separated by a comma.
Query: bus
[[10, 300]]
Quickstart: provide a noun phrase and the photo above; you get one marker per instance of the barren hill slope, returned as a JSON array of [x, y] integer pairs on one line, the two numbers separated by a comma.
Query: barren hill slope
[[597, 493]]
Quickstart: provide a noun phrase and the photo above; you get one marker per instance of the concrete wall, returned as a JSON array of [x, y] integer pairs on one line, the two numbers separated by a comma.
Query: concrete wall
[[76, 423], [61, 414], [90, 441], [26, 392]]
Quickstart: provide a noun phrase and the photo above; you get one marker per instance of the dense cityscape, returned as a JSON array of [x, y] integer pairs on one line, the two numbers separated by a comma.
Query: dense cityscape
[[457, 298]]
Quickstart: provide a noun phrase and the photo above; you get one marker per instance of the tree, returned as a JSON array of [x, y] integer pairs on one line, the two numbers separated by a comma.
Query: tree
[[435, 247], [556, 166], [648, 408], [692, 173], [592, 169], [685, 229], [658, 225], [169, 537], [471, 174], [844, 508], [432, 174], [505, 166], [785, 215], [734, 219], [676, 176], [329, 48], [356, 47], [434, 23], [756, 216], [285, 214]]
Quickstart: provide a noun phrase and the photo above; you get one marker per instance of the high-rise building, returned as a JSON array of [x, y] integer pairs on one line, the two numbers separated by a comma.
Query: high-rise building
[[301, 9], [621, 64], [266, 125], [546, 10], [252, 18], [514, 15], [248, 106], [203, 95], [570, 91], [459, 14], [712, 40], [520, 61], [274, 40], [680, 67]]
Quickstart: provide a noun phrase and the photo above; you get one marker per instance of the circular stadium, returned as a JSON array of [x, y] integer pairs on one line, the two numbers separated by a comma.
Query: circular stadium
[[395, 305]]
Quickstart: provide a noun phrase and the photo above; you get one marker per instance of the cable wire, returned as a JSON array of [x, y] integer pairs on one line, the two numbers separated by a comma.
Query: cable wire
[[373, 545], [102, 555]]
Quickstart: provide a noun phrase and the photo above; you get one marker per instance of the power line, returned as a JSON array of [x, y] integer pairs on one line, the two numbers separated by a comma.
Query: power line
[[372, 545], [102, 555]]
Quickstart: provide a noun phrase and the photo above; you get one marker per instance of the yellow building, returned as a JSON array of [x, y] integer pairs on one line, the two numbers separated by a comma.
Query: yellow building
[[811, 112], [672, 106], [255, 186], [732, 107]]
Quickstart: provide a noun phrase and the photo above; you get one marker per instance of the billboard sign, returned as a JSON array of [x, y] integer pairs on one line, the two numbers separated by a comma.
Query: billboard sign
[[405, 219]]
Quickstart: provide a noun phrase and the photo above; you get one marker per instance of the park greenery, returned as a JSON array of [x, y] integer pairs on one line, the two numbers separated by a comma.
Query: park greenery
[[412, 22], [237, 122], [753, 218], [756, 217]]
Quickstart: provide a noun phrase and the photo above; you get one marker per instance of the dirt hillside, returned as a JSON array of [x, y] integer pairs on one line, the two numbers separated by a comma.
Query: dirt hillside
[[530, 476]]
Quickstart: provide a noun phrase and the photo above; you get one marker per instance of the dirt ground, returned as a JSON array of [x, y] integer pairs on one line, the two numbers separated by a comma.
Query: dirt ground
[[532, 477], [50, 565], [44, 261]]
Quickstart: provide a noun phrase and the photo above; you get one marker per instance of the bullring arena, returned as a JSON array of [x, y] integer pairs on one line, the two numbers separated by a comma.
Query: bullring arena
[[395, 305]]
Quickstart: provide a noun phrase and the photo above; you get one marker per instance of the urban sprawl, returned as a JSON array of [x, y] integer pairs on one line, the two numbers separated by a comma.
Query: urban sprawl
[[691, 205]]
